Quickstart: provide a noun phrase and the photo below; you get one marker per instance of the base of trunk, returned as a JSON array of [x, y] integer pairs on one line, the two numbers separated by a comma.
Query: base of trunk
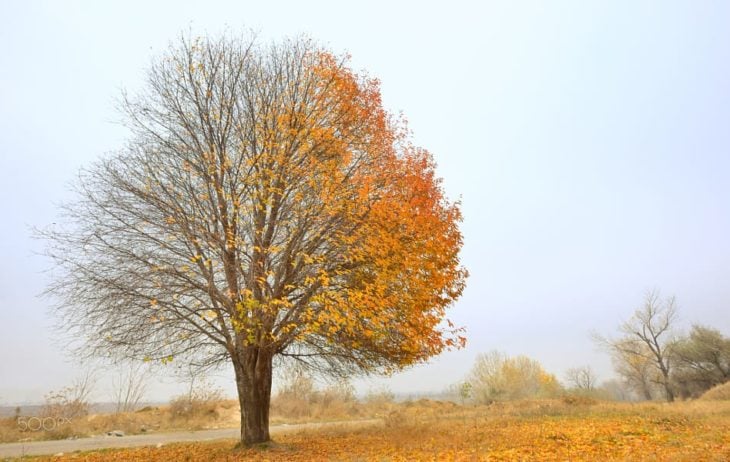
[[255, 427], [253, 380]]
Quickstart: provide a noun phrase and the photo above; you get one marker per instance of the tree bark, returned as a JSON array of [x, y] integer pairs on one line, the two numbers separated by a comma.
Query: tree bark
[[668, 390], [253, 380], [646, 390]]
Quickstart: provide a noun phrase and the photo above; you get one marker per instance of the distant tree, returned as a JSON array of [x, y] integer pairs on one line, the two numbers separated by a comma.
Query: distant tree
[[265, 207], [380, 395], [496, 377], [616, 390], [581, 378], [701, 361], [129, 386], [643, 355], [72, 400], [633, 363], [297, 381], [465, 391], [338, 391]]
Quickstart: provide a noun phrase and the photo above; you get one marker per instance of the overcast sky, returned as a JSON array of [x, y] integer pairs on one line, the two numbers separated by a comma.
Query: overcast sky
[[589, 143]]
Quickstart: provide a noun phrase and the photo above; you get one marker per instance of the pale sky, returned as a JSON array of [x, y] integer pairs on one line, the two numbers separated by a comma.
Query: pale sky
[[588, 141]]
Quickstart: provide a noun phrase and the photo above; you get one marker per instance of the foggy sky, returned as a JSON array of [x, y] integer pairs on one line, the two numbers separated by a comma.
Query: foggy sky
[[588, 142]]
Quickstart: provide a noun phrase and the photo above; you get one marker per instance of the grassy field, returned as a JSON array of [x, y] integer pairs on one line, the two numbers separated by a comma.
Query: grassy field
[[199, 416], [546, 430]]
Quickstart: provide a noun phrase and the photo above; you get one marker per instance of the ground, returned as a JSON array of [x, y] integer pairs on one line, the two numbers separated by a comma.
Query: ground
[[546, 430]]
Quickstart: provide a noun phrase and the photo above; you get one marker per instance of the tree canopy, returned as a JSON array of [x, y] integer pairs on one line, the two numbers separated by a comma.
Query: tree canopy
[[266, 205]]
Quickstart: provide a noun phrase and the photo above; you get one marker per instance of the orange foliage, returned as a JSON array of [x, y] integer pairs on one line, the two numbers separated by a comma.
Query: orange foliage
[[381, 262]]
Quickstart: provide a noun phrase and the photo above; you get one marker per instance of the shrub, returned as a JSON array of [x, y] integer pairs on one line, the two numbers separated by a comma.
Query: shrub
[[200, 400], [70, 401], [496, 377], [718, 393], [298, 397], [380, 396]]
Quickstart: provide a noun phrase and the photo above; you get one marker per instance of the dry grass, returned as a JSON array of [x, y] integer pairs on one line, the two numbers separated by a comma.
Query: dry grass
[[326, 406], [198, 416], [545, 430]]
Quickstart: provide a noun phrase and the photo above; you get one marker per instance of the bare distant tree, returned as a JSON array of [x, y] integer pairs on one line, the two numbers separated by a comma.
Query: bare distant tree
[[129, 386], [582, 378], [72, 400], [643, 354], [637, 370], [200, 386], [617, 390]]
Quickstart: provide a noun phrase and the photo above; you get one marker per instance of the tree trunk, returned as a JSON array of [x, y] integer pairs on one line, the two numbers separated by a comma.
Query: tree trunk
[[647, 391], [253, 380], [669, 391]]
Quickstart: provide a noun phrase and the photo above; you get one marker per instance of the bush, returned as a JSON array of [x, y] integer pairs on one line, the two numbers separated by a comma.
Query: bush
[[338, 392], [71, 401], [580, 399], [718, 393], [299, 398], [496, 377], [380, 396], [203, 399]]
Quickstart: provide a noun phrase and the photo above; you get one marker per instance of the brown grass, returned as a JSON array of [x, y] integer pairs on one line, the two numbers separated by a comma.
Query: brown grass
[[324, 406], [544, 430], [198, 414], [218, 414]]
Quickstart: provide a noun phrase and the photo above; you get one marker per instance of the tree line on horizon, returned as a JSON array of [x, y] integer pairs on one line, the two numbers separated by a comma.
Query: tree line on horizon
[[651, 359]]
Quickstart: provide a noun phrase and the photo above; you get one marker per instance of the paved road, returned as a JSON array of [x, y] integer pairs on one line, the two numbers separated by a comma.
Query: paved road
[[37, 448]]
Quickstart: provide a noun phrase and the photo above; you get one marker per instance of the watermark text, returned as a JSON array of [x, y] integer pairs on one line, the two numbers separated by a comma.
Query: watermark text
[[36, 424]]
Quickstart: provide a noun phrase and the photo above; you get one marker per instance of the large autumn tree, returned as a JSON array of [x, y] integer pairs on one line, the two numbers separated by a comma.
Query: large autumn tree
[[265, 206]]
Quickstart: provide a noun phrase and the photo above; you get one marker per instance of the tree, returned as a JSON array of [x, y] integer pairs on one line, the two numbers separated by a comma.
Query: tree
[[701, 361], [497, 377], [581, 378], [643, 354], [129, 386], [632, 361], [465, 389], [616, 390], [72, 400], [266, 206]]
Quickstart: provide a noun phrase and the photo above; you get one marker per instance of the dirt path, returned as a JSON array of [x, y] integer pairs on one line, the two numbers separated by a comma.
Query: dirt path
[[37, 448]]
